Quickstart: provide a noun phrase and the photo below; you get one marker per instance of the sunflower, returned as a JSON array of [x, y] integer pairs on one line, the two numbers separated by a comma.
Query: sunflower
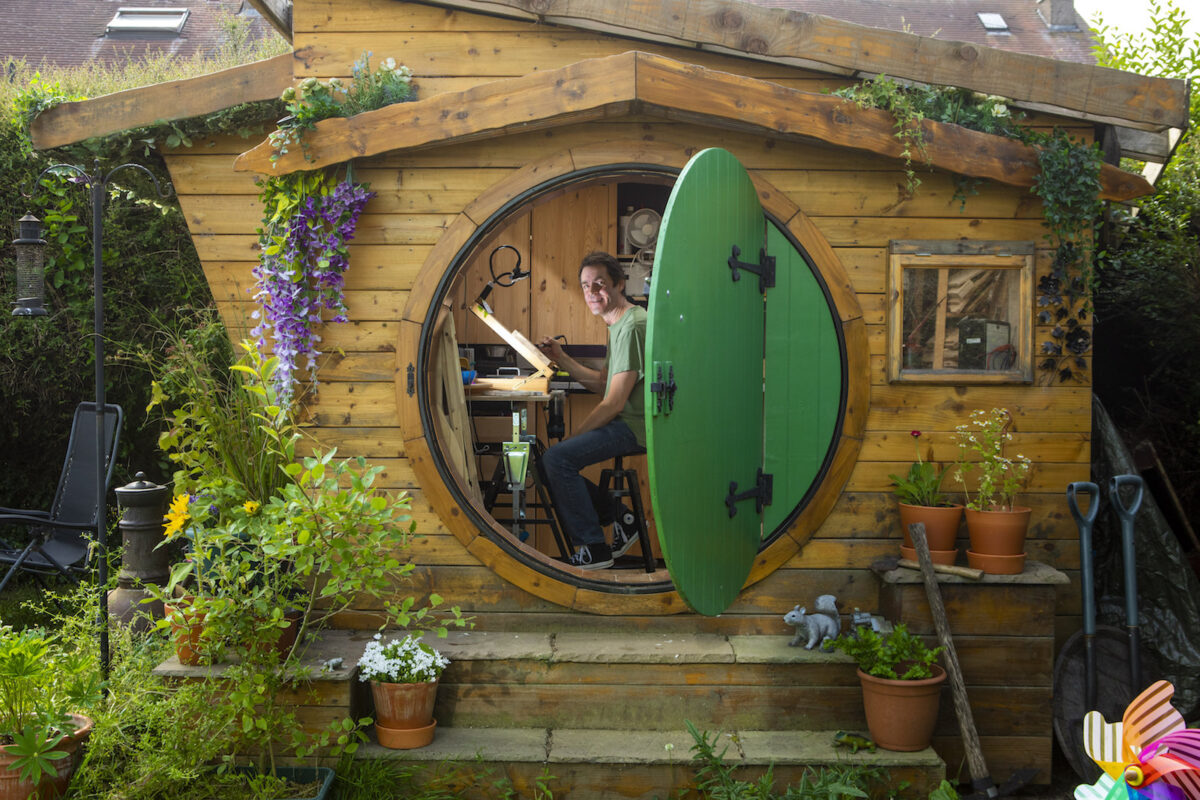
[[177, 515]]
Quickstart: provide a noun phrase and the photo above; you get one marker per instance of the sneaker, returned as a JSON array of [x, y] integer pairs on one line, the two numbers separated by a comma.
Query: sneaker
[[622, 539], [591, 556]]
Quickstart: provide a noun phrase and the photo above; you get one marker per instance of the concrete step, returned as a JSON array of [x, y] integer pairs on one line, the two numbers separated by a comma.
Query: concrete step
[[629, 763], [644, 681]]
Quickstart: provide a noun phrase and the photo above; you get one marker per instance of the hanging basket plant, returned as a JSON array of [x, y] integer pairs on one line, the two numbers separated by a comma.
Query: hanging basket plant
[[309, 219]]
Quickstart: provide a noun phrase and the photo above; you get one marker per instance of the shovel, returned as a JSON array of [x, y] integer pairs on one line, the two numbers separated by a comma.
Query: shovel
[[981, 779]]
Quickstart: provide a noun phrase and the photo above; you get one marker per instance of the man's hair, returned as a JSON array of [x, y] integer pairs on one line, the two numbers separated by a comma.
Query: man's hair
[[599, 258]]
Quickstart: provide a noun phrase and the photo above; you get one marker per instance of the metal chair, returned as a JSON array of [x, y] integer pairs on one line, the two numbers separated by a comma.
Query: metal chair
[[621, 481], [57, 542]]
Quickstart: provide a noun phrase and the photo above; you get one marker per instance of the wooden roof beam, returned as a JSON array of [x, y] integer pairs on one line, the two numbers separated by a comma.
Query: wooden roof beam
[[606, 87], [278, 13], [136, 108], [812, 41]]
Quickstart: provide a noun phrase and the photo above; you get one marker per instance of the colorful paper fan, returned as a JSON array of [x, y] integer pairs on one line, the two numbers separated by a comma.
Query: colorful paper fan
[[1149, 755]]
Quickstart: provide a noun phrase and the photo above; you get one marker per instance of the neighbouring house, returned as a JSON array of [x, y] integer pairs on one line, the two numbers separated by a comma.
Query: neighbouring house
[[70, 33], [541, 125]]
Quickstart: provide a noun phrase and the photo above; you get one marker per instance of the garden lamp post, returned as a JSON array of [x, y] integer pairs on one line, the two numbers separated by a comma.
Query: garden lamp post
[[30, 303]]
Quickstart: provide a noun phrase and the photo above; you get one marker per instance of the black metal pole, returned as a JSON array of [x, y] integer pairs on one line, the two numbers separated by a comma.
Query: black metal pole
[[97, 182]]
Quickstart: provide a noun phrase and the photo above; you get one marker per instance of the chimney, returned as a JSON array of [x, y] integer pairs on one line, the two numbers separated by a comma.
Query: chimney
[[1059, 15]]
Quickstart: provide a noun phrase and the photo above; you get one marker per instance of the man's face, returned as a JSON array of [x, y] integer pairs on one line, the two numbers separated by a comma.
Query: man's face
[[598, 289]]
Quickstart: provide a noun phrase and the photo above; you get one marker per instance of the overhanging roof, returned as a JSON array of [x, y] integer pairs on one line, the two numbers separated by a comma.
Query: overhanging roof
[[786, 36], [643, 83]]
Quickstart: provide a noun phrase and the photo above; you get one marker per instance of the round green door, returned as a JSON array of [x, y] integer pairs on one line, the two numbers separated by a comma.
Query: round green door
[[743, 384], [704, 347]]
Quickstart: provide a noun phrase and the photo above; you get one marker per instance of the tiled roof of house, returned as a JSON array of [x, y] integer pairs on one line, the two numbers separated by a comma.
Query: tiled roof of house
[[73, 32], [958, 20]]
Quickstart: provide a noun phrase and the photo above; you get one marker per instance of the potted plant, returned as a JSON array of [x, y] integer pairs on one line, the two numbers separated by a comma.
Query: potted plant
[[901, 685], [995, 524], [403, 674], [42, 687], [920, 498]]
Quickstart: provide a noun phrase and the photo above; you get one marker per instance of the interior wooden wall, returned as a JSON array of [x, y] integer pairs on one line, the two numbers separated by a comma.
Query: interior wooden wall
[[857, 201]]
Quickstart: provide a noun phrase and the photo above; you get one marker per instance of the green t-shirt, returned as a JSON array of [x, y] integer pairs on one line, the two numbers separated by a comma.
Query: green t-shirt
[[627, 353]]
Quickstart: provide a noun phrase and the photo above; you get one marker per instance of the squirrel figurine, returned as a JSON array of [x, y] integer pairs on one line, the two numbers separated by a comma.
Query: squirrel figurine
[[823, 625]]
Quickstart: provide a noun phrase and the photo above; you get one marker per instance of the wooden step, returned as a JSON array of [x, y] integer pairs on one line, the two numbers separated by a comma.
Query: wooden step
[[630, 763], [647, 682]]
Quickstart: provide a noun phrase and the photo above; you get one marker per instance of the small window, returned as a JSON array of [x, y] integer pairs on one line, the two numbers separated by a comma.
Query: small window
[[148, 20], [960, 312], [992, 23]]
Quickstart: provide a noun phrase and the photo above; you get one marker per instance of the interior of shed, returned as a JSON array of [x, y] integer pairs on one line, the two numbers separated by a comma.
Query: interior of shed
[[541, 242]]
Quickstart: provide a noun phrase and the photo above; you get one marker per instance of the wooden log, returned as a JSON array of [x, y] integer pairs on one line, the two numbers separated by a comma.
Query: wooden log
[[134, 108], [804, 39]]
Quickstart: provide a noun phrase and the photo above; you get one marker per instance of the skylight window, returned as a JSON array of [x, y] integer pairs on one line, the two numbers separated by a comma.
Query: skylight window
[[993, 23], [148, 20]]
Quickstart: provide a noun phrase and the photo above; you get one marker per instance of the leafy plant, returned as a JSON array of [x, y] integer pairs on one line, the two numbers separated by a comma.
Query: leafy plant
[[315, 100], [898, 655], [41, 684], [923, 484], [1000, 477], [715, 777]]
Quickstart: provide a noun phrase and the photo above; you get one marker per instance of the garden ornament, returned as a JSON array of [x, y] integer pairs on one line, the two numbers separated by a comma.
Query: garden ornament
[[1150, 754], [823, 625], [855, 741]]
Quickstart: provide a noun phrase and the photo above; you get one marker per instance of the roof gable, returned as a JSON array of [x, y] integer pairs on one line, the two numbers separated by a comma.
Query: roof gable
[[655, 85]]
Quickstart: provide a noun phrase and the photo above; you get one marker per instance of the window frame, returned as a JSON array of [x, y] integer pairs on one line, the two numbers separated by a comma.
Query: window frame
[[933, 254]]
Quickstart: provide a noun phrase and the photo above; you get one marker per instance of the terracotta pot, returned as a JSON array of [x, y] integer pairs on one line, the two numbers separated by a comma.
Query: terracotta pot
[[941, 524], [186, 634], [404, 707], [995, 564], [404, 738], [287, 636], [947, 557], [12, 787], [901, 714], [1000, 533]]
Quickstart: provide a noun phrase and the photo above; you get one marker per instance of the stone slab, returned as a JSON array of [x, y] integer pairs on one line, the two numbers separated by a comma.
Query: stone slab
[[574, 746], [775, 650], [492, 645], [816, 748], [504, 745], [644, 648]]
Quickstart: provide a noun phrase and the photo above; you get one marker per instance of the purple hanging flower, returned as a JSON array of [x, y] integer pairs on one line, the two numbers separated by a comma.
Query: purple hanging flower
[[300, 274]]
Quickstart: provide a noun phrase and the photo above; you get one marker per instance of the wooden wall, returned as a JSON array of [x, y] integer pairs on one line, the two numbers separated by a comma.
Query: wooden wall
[[857, 202]]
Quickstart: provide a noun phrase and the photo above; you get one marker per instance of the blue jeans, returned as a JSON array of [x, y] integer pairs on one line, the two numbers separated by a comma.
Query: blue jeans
[[571, 491]]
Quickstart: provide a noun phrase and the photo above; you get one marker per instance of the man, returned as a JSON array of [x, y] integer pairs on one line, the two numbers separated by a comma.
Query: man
[[616, 426]]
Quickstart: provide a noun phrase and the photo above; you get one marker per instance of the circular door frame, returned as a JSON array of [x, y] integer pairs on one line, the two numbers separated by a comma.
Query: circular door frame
[[600, 591]]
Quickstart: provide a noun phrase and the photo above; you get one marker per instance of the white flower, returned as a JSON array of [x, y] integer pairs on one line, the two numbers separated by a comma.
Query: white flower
[[388, 64], [405, 660], [1000, 110]]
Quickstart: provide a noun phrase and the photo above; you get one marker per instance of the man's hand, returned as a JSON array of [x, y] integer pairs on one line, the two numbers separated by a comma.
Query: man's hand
[[552, 349]]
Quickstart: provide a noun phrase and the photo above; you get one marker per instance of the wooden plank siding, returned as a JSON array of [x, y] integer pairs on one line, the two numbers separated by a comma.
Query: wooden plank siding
[[855, 200]]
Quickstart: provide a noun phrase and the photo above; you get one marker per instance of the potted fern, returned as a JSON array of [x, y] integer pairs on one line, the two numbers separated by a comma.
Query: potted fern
[[901, 685]]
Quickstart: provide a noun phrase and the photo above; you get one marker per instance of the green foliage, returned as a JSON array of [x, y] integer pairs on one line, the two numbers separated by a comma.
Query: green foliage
[[1147, 329], [912, 104], [922, 486], [151, 272], [42, 682], [379, 779], [885, 656], [981, 449], [316, 100], [715, 777]]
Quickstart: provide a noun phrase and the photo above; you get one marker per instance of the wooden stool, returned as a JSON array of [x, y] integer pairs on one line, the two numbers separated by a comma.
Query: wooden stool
[[619, 482]]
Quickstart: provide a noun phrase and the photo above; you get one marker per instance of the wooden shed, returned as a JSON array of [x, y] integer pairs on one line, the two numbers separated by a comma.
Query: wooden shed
[[541, 124]]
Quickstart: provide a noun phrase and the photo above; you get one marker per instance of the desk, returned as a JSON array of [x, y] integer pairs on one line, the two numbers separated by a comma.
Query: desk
[[538, 474]]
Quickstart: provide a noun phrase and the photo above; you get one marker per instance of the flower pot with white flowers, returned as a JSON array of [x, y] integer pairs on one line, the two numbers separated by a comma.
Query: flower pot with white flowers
[[921, 500], [996, 525], [403, 674]]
